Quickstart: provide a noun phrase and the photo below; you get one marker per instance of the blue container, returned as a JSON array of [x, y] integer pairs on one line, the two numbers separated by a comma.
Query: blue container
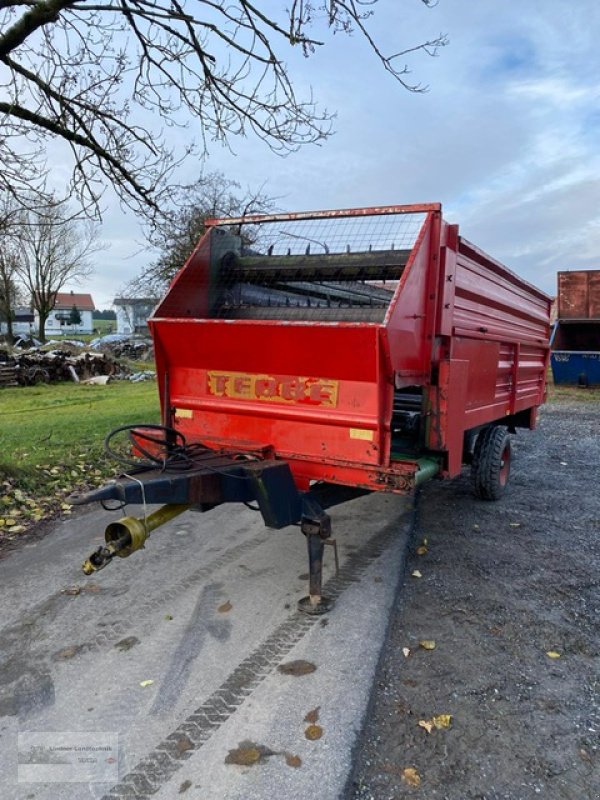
[[576, 368]]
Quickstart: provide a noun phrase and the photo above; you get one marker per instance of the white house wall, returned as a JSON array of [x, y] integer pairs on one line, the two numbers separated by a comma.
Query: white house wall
[[53, 325]]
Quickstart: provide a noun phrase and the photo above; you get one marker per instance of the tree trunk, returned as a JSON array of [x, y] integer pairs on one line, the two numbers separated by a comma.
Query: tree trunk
[[42, 327], [9, 328]]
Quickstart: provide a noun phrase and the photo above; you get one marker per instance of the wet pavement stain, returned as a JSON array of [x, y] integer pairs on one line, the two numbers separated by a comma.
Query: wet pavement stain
[[297, 668], [126, 644], [23, 690], [184, 743], [201, 624], [185, 786], [248, 754], [69, 652]]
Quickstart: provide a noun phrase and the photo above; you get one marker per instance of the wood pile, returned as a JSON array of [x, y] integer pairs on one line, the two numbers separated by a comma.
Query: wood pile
[[37, 366]]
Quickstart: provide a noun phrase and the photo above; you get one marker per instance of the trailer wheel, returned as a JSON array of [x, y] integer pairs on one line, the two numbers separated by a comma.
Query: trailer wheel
[[491, 463]]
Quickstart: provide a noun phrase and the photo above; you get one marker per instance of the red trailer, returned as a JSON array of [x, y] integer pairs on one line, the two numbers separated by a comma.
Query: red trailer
[[368, 348]]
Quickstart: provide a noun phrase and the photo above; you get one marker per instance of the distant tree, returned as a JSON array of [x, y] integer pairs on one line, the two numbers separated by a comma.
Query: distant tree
[[10, 293], [106, 313], [214, 195], [86, 73], [74, 316], [54, 248], [9, 290]]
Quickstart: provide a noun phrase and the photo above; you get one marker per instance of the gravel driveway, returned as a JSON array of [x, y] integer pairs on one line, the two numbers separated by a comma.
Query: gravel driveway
[[510, 595]]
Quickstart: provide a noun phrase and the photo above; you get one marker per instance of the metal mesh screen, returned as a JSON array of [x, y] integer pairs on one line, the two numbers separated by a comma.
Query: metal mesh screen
[[327, 269]]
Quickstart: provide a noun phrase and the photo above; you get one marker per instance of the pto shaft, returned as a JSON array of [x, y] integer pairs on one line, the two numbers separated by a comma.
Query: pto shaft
[[129, 534]]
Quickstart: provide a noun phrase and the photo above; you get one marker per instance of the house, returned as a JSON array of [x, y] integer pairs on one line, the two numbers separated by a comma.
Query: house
[[133, 313], [60, 318], [23, 322]]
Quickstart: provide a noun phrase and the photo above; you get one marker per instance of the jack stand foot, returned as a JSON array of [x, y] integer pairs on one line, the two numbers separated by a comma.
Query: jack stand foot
[[315, 606], [316, 529]]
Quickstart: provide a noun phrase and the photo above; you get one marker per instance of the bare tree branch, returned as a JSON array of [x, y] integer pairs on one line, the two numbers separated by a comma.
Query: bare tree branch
[[177, 235], [86, 74]]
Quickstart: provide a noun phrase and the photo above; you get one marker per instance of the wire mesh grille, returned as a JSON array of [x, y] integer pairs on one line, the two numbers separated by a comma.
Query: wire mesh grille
[[328, 269]]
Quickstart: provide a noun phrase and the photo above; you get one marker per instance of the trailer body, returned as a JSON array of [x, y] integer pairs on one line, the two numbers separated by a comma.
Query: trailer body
[[304, 359], [363, 347], [575, 340]]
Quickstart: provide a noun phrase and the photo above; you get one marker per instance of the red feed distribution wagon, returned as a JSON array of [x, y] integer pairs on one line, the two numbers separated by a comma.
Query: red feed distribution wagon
[[306, 358]]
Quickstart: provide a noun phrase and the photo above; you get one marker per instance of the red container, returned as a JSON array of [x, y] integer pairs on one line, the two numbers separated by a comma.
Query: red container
[[579, 295], [350, 343]]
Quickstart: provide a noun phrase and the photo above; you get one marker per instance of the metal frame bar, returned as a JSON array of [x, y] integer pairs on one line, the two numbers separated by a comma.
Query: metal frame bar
[[368, 211]]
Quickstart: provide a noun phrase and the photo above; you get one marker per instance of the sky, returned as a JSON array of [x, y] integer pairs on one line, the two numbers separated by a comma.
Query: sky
[[506, 137]]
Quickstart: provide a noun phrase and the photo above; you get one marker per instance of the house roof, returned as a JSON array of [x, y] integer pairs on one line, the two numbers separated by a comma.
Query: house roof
[[66, 301]]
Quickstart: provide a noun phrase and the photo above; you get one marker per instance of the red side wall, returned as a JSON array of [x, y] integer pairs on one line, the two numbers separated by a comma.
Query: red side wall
[[493, 348]]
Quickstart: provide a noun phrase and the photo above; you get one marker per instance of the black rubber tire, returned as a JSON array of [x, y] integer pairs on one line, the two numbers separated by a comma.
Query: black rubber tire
[[490, 469]]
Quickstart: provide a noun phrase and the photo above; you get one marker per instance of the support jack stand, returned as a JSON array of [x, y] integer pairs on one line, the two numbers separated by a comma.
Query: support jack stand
[[317, 530]]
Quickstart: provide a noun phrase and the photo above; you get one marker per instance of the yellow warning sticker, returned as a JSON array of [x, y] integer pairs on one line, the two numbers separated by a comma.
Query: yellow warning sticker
[[184, 413], [361, 433]]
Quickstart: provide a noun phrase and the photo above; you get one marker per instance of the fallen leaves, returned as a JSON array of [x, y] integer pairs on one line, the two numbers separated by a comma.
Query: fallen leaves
[[313, 732], [297, 668], [406, 652], [427, 644], [553, 654], [437, 722], [244, 756], [411, 777], [68, 652], [422, 550], [126, 644], [416, 573], [41, 490], [247, 754], [312, 716], [224, 608], [145, 683], [293, 761], [184, 743]]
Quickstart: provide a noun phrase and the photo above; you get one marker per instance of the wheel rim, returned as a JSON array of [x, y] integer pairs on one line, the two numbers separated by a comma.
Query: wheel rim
[[504, 466]]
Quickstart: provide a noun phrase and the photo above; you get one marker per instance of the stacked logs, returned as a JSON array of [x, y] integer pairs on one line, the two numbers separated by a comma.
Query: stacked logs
[[36, 366]]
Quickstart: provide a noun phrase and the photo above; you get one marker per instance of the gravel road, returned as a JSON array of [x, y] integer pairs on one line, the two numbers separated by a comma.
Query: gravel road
[[503, 585]]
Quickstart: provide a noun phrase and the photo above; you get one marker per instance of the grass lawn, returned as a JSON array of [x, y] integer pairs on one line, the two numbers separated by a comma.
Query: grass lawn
[[568, 393], [51, 441]]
